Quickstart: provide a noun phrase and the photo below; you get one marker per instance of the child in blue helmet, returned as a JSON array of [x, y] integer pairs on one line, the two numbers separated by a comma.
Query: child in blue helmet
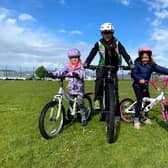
[[144, 66], [75, 85]]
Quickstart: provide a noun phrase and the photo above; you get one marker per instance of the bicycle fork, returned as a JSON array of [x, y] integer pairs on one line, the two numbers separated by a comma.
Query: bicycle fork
[[59, 98]]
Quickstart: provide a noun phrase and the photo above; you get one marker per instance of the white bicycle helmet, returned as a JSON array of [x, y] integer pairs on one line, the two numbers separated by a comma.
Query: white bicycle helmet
[[107, 27]]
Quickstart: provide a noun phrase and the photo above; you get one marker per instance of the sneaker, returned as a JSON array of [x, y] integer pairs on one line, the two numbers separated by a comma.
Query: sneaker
[[146, 121], [136, 123], [83, 121], [97, 105]]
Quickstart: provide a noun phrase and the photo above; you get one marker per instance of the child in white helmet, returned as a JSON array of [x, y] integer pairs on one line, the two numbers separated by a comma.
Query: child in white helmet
[[110, 50]]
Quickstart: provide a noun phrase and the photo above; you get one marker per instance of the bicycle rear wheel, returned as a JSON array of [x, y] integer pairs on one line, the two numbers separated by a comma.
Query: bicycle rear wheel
[[50, 122], [88, 107], [127, 110]]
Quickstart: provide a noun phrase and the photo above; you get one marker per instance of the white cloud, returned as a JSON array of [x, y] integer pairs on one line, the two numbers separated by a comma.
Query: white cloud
[[62, 31], [3, 13], [2, 16], [11, 21], [159, 31], [157, 4], [160, 35], [75, 32], [162, 14], [125, 2], [25, 46], [25, 17], [69, 33]]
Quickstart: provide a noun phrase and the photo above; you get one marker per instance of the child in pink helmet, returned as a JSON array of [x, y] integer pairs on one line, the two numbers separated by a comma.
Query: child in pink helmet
[[144, 66], [75, 85]]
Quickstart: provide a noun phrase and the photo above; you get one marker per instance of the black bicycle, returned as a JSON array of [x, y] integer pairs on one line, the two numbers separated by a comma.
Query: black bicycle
[[109, 100]]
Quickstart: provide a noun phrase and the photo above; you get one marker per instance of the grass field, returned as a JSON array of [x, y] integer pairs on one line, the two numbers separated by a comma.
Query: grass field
[[22, 146]]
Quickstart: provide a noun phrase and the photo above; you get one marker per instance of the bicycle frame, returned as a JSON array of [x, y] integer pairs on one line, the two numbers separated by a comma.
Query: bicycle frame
[[64, 96]]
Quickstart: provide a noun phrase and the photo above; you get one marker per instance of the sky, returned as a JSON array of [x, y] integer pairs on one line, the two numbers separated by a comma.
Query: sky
[[40, 32]]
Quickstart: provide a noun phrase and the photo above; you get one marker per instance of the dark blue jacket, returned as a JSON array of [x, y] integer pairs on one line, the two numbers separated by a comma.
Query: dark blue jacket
[[144, 72]]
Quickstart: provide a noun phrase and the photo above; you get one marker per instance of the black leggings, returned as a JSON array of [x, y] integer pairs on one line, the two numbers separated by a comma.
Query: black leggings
[[140, 93]]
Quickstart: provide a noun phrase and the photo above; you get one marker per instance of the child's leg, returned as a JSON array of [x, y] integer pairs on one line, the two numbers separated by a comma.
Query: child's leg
[[146, 94], [139, 96], [99, 84], [82, 109]]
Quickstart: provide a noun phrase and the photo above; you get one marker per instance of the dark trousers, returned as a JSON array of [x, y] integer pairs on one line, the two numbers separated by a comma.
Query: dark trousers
[[140, 93], [99, 86], [99, 83]]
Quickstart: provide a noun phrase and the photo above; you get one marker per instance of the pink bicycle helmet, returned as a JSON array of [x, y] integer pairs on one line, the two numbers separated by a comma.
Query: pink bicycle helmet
[[74, 53], [145, 50]]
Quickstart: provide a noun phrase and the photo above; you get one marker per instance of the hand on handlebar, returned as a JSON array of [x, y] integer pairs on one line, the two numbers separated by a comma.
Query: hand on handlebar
[[132, 66], [50, 74], [142, 81], [76, 75], [85, 65], [73, 74]]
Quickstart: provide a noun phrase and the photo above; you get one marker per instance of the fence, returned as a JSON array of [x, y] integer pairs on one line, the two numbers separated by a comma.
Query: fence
[[12, 72]]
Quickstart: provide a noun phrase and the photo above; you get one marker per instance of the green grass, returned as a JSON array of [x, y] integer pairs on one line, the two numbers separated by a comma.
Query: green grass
[[21, 144]]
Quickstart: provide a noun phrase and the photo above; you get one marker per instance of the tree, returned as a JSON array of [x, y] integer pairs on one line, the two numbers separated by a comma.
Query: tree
[[41, 72]]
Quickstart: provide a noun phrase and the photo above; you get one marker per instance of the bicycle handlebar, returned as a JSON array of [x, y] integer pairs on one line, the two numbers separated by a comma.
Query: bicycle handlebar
[[94, 67], [65, 76], [153, 83]]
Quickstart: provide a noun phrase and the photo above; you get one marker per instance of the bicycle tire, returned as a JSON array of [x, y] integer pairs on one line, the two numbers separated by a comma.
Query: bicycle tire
[[49, 122], [110, 116], [164, 109], [88, 107], [127, 117]]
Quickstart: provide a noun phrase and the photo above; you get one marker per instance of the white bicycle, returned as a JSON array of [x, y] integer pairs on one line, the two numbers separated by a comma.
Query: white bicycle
[[53, 116], [127, 105]]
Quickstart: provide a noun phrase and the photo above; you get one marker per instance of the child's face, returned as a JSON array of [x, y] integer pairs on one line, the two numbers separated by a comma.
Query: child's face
[[107, 36], [74, 60], [145, 58]]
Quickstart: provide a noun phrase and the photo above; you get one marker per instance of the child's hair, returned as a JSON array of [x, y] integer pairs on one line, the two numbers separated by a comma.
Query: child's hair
[[148, 51]]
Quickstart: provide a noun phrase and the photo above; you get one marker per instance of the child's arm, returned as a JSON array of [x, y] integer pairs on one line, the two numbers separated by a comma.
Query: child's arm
[[91, 55], [135, 75], [160, 69], [124, 54], [61, 72]]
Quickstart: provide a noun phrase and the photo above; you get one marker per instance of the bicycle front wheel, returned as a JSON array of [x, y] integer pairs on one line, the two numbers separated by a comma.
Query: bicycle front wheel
[[127, 110], [110, 116], [51, 120]]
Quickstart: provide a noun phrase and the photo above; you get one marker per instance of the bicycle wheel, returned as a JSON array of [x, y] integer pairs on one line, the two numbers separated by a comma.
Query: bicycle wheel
[[88, 107], [110, 116], [164, 110], [50, 122], [127, 110]]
